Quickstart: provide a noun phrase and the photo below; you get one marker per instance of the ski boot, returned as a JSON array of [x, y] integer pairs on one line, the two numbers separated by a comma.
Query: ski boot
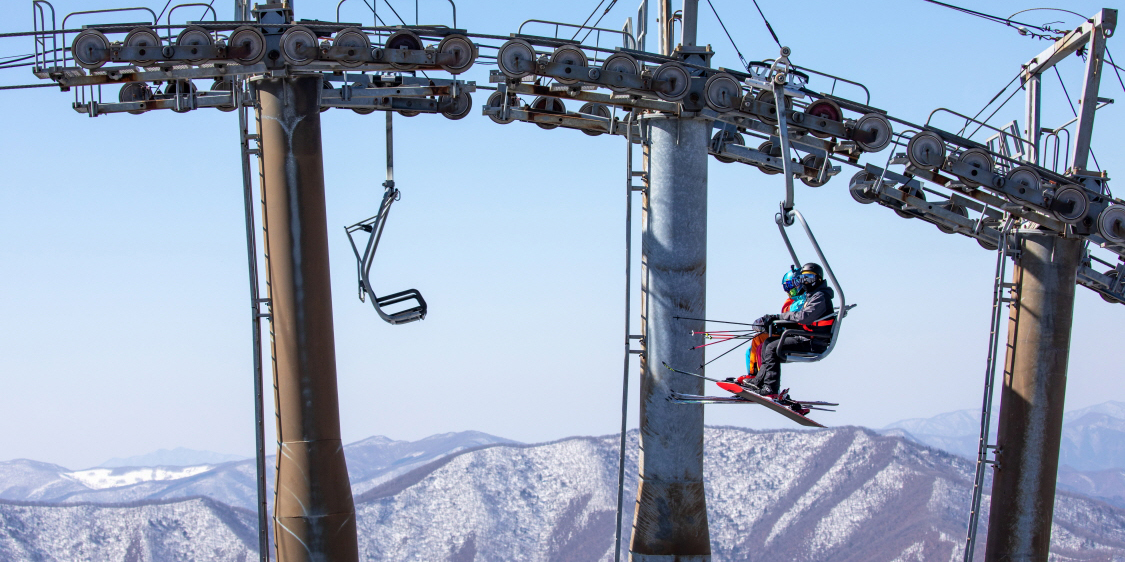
[[747, 382], [788, 402]]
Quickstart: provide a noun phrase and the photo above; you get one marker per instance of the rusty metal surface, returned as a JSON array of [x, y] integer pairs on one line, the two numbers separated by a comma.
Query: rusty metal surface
[[1031, 407], [670, 520], [314, 515]]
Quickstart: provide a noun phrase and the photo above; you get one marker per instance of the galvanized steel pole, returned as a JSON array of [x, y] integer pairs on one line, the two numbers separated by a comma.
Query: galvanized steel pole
[[1031, 403], [314, 516], [670, 521]]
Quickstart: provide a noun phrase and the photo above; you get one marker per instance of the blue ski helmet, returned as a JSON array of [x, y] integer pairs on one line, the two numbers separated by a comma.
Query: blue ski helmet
[[791, 283]]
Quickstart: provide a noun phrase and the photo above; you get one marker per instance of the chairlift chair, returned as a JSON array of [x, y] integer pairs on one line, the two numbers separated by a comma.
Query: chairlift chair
[[374, 227], [786, 218]]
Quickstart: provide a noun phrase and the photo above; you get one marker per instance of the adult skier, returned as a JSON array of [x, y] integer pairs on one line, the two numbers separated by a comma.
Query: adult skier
[[792, 304], [814, 335]]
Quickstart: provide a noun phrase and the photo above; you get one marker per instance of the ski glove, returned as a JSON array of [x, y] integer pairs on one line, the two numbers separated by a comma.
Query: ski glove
[[767, 319]]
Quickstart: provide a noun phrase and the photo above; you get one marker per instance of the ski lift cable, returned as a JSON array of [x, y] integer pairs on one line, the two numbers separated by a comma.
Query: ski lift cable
[[592, 12], [768, 26], [994, 112], [1116, 69], [1005, 21], [598, 21], [393, 10], [164, 10], [991, 101], [732, 43]]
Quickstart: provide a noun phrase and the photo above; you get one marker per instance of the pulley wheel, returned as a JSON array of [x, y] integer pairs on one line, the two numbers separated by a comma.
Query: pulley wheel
[[363, 110], [990, 246], [148, 43], [727, 137], [913, 192], [953, 208], [1024, 180], [822, 111], [404, 39], [194, 39], [409, 113], [548, 104], [671, 81], [459, 106], [460, 47], [1075, 198], [926, 150], [722, 92], [573, 56], [357, 44], [180, 88], [246, 46], [981, 160], [1111, 224], [812, 162], [135, 92], [769, 115], [861, 192], [90, 49], [1112, 274], [407, 40], [298, 46], [872, 132], [326, 85], [516, 58], [596, 109], [224, 85], [620, 63], [496, 100], [768, 149]]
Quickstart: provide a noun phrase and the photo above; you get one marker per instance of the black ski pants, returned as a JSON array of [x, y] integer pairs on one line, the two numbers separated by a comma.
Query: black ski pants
[[768, 380]]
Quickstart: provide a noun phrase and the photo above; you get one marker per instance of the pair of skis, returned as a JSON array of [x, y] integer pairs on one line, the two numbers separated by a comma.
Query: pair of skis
[[743, 395]]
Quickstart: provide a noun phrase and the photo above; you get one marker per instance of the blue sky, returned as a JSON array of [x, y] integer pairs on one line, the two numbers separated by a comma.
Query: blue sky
[[124, 294]]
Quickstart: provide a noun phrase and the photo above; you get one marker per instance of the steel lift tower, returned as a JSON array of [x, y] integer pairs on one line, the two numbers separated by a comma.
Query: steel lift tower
[[1051, 220], [265, 62], [670, 518], [1043, 282]]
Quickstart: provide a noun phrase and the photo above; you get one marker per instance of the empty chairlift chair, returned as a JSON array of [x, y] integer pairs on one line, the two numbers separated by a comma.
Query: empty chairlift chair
[[374, 227]]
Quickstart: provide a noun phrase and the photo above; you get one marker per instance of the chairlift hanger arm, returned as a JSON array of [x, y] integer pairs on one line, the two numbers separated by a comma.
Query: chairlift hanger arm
[[787, 218]]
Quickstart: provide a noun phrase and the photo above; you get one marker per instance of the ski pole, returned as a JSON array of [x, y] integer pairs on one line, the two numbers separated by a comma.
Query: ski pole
[[687, 373], [728, 351], [716, 321]]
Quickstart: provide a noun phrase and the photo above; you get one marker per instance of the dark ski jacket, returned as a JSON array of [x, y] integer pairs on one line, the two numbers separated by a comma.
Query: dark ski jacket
[[817, 305]]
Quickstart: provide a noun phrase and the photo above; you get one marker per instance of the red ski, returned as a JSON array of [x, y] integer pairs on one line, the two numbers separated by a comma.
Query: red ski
[[782, 409]]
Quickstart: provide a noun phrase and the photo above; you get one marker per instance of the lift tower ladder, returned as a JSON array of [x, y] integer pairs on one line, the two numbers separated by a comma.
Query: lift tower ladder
[[1005, 251], [630, 188]]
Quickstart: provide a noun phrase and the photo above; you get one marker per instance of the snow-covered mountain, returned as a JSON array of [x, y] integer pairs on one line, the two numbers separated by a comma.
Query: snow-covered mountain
[[842, 494], [179, 456], [1093, 438], [192, 529], [371, 462]]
